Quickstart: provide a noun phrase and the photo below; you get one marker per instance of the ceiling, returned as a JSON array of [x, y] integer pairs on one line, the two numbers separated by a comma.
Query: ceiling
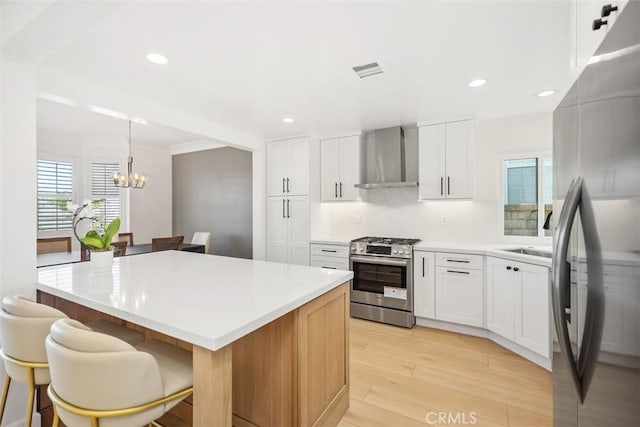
[[83, 125], [247, 65]]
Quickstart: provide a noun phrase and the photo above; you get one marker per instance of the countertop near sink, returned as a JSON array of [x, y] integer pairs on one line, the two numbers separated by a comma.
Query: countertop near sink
[[497, 250], [337, 241]]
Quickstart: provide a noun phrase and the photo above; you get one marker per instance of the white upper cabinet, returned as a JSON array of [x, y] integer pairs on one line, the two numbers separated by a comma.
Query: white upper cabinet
[[584, 38], [446, 160], [340, 168], [288, 167]]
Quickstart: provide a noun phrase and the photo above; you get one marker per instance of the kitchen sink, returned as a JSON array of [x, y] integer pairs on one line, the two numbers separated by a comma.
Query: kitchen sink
[[527, 251]]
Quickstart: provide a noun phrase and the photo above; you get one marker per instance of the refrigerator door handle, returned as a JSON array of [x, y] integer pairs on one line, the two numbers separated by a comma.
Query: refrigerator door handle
[[594, 313], [561, 277]]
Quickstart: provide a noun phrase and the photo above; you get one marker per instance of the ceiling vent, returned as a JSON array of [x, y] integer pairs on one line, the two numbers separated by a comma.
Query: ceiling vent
[[368, 70]]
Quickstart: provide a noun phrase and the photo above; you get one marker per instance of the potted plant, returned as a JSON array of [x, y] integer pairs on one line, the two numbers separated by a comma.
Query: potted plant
[[98, 238]]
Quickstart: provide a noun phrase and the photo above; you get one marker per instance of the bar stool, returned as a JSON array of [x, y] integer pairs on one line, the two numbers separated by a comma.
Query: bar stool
[[24, 326], [97, 379]]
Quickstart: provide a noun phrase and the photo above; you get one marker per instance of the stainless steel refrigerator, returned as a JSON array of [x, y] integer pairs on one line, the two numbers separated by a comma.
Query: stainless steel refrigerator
[[596, 265]]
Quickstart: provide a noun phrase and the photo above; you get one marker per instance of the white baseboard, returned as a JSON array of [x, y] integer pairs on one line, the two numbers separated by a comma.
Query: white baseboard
[[483, 333], [35, 422]]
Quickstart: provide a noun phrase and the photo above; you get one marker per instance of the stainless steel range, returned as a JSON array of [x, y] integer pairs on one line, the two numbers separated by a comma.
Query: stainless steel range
[[382, 286]]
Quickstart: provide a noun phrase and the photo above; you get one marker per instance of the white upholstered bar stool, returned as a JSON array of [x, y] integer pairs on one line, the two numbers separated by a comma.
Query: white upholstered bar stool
[[202, 238], [24, 326], [99, 380]]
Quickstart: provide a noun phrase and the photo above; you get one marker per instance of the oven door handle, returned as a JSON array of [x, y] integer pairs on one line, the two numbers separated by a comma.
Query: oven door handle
[[379, 261]]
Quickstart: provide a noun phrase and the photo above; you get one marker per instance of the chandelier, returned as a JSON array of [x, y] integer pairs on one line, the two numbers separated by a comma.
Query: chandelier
[[130, 180]]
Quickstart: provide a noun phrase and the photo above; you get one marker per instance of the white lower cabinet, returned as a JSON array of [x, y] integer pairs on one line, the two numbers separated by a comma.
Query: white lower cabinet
[[288, 229], [518, 308], [501, 298], [333, 257], [424, 284], [620, 287], [459, 286], [459, 296]]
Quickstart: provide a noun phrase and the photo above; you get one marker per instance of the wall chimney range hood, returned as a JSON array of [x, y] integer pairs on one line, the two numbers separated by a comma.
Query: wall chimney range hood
[[384, 160]]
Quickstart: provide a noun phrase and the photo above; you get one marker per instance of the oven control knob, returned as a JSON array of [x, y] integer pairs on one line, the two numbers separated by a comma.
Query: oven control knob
[[401, 252], [353, 249], [361, 249], [395, 251]]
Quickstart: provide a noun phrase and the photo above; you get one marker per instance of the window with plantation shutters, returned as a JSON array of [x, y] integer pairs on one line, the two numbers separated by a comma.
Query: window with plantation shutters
[[102, 187], [55, 189]]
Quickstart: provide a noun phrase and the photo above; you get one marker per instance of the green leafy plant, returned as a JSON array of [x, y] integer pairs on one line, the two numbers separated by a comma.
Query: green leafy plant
[[99, 237]]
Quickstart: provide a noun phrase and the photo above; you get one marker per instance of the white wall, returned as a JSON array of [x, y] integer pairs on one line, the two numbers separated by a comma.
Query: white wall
[[259, 188], [150, 207], [17, 195], [395, 212]]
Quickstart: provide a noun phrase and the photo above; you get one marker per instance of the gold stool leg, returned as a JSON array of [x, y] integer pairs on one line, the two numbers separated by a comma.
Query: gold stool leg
[[94, 422], [56, 419], [32, 394], [5, 393]]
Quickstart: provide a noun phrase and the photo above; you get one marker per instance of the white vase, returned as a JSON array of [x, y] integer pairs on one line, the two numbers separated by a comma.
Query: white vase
[[101, 261]]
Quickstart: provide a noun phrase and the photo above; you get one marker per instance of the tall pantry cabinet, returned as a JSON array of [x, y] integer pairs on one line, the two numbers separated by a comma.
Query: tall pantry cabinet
[[288, 212]]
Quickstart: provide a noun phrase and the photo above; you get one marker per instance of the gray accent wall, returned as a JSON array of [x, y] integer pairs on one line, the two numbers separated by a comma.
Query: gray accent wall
[[212, 191]]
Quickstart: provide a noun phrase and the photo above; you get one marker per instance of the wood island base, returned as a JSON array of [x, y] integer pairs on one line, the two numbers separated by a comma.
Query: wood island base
[[293, 371]]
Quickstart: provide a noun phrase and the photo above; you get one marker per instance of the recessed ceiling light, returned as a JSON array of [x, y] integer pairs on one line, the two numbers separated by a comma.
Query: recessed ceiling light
[[546, 93], [477, 83], [156, 58], [287, 120]]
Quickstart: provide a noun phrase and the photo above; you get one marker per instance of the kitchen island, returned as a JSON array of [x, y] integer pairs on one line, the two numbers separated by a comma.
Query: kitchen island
[[269, 340]]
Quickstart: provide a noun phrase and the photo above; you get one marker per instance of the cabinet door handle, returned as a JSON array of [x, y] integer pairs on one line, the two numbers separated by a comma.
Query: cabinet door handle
[[598, 23], [508, 267], [287, 185], [458, 272], [288, 204], [442, 186], [422, 266], [283, 215], [607, 9], [328, 250], [464, 261], [331, 268], [516, 269], [283, 185], [335, 189], [448, 186], [341, 190]]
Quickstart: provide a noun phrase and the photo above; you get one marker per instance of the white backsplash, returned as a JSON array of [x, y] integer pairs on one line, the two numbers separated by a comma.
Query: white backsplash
[[396, 212]]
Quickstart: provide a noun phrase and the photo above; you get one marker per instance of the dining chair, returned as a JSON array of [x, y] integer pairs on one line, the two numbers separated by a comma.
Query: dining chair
[[167, 243], [202, 238], [120, 385], [54, 244], [128, 237], [119, 248]]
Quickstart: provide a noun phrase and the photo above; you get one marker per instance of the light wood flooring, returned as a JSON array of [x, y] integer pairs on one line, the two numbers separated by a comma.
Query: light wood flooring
[[399, 375]]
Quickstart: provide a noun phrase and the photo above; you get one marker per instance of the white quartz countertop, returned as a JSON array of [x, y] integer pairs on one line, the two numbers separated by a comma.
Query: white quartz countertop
[[497, 250], [337, 241], [206, 300]]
